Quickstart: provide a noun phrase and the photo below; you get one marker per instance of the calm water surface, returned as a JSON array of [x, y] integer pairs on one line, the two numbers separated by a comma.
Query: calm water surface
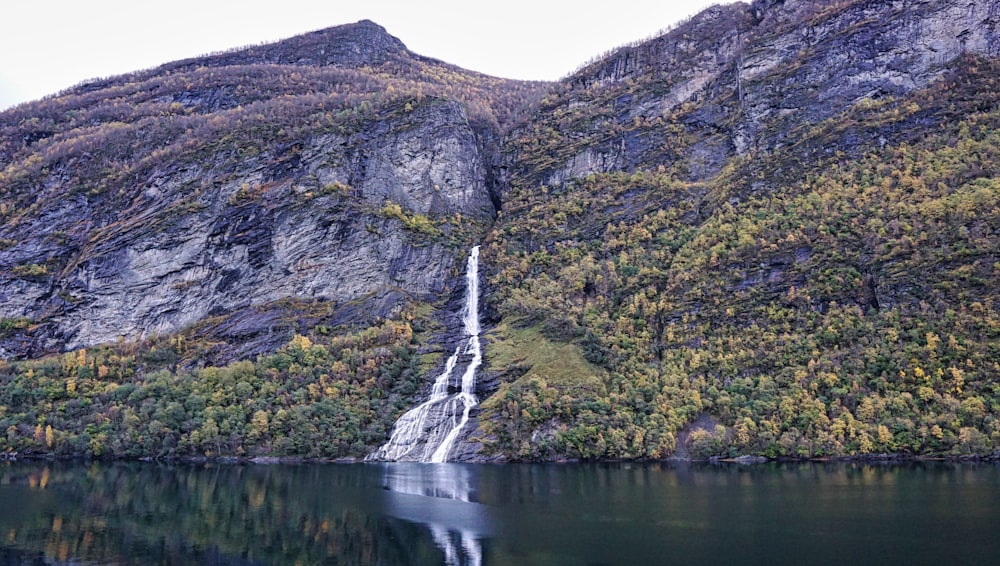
[[139, 513]]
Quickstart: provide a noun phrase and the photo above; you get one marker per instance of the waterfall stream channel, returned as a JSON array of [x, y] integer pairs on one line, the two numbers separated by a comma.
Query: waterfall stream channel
[[428, 431]]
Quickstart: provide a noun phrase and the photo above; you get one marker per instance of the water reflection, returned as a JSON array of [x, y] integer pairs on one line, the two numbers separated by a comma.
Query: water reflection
[[443, 497], [134, 513], [494, 515]]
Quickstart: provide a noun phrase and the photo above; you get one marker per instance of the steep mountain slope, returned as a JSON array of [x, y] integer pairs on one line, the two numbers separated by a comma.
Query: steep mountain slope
[[779, 241], [772, 230]]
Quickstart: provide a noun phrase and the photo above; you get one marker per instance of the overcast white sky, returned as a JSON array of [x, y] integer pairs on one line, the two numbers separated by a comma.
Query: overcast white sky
[[49, 45]]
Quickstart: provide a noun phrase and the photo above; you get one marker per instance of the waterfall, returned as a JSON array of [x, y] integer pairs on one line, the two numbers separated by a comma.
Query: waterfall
[[427, 432]]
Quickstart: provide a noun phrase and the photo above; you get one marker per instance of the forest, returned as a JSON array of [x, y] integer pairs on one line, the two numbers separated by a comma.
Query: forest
[[850, 311]]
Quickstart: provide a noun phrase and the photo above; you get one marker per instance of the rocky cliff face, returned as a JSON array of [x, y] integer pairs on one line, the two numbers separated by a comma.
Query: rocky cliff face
[[262, 237], [734, 76], [864, 50], [213, 209]]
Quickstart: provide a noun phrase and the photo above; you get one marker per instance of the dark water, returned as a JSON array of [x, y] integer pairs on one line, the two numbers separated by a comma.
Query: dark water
[[133, 513]]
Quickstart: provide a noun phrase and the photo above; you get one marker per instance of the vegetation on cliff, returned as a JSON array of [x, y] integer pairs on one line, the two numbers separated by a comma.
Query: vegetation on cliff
[[328, 396], [847, 309]]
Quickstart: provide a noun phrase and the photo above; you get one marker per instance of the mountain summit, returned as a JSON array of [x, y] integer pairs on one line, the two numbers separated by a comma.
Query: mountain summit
[[350, 46]]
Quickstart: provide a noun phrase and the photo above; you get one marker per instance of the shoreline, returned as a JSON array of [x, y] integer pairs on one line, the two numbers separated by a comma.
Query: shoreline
[[739, 460]]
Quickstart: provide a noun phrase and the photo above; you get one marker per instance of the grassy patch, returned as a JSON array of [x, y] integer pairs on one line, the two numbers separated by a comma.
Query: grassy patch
[[558, 364], [412, 221], [30, 271]]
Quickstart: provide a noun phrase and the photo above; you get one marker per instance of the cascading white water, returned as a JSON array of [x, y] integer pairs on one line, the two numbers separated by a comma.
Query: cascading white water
[[427, 432]]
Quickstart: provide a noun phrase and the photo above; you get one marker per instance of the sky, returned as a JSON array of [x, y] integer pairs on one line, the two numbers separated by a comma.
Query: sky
[[50, 45]]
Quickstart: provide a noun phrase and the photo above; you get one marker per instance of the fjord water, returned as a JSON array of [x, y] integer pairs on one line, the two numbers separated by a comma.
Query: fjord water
[[427, 432], [412, 513]]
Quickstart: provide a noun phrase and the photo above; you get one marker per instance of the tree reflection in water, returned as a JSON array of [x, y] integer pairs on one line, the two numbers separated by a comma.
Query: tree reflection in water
[[143, 513]]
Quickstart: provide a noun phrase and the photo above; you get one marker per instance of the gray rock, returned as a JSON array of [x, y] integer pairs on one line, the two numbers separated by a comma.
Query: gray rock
[[752, 72], [302, 222]]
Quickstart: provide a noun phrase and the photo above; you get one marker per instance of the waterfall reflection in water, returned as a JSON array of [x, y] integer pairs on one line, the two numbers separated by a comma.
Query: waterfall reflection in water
[[444, 498]]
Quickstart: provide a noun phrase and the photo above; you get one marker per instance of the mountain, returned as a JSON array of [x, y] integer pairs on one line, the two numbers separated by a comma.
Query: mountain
[[770, 231], [317, 167]]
